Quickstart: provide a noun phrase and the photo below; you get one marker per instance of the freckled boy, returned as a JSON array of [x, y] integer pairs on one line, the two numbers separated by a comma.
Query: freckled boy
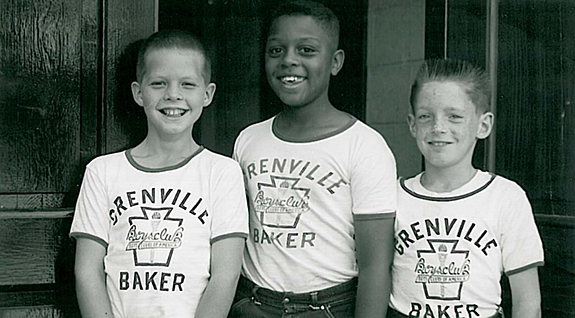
[[458, 229]]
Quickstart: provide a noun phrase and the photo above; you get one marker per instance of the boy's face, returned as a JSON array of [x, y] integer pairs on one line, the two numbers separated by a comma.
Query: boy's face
[[446, 125], [173, 91], [300, 59]]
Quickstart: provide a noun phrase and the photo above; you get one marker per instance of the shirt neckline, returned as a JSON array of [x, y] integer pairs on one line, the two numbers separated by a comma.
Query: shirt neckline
[[133, 163], [280, 136]]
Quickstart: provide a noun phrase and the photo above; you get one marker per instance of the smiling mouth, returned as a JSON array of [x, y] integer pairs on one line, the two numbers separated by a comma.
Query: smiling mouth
[[291, 80], [439, 143], [173, 112]]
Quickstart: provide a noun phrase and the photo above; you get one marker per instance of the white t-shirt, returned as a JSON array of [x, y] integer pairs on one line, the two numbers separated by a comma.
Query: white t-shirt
[[158, 226], [452, 248], [303, 197]]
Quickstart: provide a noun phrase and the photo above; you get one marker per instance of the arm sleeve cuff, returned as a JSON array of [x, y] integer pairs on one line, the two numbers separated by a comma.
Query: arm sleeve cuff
[[372, 216], [520, 269], [98, 240], [227, 235]]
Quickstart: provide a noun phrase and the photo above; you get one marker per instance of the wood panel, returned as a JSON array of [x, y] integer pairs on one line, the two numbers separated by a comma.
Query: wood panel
[[239, 75], [36, 272], [531, 135], [30, 243], [125, 23], [557, 277], [39, 94]]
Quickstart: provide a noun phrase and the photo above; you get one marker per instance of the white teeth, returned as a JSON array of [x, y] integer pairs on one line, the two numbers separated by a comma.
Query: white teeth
[[438, 143], [173, 112], [291, 79]]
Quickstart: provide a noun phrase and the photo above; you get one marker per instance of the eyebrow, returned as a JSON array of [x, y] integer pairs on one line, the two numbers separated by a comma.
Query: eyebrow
[[276, 38]]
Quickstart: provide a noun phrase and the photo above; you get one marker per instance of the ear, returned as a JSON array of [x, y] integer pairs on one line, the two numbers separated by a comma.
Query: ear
[[485, 125], [209, 94], [411, 124], [137, 93], [337, 61]]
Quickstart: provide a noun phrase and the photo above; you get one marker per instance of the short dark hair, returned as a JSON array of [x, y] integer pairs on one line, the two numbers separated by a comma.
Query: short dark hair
[[173, 39], [320, 13], [473, 78]]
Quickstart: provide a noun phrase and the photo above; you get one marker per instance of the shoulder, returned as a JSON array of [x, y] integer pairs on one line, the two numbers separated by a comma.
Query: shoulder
[[364, 137], [111, 159], [507, 190], [256, 128], [218, 161], [407, 184]]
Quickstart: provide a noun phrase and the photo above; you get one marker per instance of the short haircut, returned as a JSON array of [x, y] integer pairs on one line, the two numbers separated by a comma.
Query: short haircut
[[327, 20], [173, 39], [473, 79]]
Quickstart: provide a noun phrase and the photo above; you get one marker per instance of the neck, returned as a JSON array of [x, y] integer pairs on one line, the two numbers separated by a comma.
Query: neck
[[446, 180], [157, 152], [306, 115]]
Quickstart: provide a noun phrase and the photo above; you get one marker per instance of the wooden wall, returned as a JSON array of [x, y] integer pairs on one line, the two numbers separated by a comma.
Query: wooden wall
[[65, 73], [534, 118], [60, 106]]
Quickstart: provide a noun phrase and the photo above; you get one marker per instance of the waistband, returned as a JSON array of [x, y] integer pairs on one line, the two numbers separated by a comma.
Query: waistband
[[313, 297], [392, 313]]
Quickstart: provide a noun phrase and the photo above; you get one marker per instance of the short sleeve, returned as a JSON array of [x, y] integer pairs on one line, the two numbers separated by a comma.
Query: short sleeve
[[374, 180], [230, 213], [520, 241], [90, 216]]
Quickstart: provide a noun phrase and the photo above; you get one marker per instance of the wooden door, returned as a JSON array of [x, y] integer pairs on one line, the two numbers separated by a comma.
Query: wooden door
[[61, 104], [534, 125]]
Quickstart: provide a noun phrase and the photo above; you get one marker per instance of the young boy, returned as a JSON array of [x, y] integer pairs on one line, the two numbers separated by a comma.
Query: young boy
[[160, 228], [321, 186], [458, 228]]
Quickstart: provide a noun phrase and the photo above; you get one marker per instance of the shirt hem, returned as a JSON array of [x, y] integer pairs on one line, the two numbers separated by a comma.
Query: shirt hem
[[524, 268], [98, 240], [374, 216], [227, 235]]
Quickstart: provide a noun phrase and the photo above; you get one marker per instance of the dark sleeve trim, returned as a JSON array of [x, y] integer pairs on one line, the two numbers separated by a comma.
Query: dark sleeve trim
[[374, 216], [98, 240], [227, 235], [526, 267]]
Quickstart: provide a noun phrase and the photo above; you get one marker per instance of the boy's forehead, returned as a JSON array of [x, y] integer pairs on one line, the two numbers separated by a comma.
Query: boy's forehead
[[298, 26], [184, 52], [444, 93], [162, 60]]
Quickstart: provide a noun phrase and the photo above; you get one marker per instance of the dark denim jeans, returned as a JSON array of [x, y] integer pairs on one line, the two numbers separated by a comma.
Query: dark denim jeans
[[252, 301]]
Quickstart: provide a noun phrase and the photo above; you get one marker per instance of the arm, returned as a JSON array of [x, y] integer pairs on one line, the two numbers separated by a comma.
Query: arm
[[525, 294], [226, 261], [374, 245], [91, 279]]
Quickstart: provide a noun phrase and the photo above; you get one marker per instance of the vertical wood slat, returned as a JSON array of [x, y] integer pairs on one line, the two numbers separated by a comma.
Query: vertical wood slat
[[466, 40], [90, 52], [124, 24], [492, 55], [39, 94]]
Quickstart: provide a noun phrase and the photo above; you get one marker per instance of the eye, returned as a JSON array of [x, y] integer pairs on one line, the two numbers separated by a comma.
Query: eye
[[188, 85], [308, 50], [275, 51], [423, 116], [157, 84], [455, 117]]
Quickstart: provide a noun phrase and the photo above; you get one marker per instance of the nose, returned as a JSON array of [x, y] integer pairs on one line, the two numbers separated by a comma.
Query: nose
[[438, 126], [290, 58], [173, 93]]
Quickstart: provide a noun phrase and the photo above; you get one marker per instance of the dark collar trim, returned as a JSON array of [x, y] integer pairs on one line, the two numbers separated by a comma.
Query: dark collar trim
[[445, 199]]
